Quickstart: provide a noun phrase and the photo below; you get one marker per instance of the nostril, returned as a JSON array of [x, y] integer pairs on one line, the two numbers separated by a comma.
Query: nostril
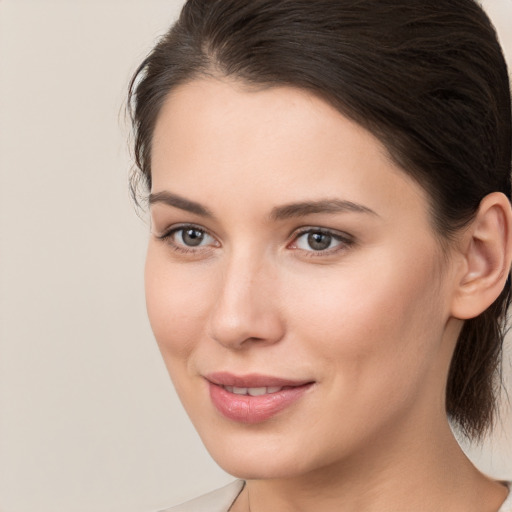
[[244, 313]]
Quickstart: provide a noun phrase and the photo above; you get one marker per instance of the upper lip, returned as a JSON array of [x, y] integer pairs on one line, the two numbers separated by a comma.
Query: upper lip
[[252, 380]]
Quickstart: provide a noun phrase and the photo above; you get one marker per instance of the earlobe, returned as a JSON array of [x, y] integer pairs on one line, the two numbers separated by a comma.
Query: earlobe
[[487, 254]]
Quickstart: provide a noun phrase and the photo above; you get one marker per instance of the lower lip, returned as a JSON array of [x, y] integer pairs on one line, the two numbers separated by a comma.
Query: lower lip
[[254, 409]]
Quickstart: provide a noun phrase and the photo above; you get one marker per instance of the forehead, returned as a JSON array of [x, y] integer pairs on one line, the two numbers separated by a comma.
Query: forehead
[[216, 137]]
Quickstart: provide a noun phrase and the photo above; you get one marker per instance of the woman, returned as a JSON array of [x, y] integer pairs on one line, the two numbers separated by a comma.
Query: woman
[[328, 271]]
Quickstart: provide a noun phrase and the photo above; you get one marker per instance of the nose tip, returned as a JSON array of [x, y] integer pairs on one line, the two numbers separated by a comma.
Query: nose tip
[[245, 311], [234, 331]]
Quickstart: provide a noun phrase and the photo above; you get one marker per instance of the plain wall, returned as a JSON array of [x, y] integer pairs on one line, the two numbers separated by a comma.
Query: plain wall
[[88, 419]]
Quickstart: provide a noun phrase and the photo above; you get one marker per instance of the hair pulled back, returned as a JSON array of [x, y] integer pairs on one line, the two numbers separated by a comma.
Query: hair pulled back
[[426, 77]]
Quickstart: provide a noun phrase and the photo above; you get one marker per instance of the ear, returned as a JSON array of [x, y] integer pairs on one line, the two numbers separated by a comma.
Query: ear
[[486, 253]]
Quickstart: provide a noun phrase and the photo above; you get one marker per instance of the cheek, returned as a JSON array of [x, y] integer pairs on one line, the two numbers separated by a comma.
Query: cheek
[[380, 316], [177, 301]]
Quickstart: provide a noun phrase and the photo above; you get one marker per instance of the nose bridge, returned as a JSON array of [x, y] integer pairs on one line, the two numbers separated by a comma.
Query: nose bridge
[[245, 309]]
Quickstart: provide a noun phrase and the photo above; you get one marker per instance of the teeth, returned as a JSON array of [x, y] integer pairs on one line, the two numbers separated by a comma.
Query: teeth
[[256, 391], [253, 391]]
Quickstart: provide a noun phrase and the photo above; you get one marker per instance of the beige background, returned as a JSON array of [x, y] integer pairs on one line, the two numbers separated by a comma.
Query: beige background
[[88, 419]]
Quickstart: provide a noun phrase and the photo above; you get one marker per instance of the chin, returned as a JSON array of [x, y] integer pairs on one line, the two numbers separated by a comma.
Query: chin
[[257, 469], [261, 456]]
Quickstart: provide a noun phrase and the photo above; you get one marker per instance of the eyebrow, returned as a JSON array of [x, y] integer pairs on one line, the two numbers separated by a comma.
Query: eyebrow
[[171, 199], [284, 212], [322, 206]]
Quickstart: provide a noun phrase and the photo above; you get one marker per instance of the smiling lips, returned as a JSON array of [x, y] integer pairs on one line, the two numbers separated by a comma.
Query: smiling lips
[[253, 398]]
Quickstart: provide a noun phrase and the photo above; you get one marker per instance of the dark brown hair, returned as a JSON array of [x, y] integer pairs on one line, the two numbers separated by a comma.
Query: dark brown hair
[[427, 77]]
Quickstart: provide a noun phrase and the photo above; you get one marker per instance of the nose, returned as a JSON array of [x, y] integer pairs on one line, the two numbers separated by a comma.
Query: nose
[[246, 310]]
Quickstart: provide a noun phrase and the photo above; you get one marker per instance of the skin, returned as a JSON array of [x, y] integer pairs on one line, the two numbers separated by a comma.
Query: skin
[[370, 320]]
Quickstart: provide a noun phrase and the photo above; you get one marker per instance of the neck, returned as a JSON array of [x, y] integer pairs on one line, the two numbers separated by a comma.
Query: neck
[[395, 472]]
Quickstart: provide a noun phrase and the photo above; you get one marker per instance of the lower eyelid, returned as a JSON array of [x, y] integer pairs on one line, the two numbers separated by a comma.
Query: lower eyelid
[[169, 238], [343, 238]]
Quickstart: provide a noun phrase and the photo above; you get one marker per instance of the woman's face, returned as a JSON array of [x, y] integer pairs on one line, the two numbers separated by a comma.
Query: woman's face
[[290, 256]]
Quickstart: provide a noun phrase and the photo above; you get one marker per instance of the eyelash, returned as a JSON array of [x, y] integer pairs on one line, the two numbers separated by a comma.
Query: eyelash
[[167, 237], [345, 240]]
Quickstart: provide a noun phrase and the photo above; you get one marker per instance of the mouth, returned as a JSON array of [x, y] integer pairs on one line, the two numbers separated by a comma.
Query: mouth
[[253, 398], [254, 391]]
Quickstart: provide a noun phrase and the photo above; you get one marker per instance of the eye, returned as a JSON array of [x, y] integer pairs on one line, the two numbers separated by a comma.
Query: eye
[[188, 238], [192, 237], [320, 240]]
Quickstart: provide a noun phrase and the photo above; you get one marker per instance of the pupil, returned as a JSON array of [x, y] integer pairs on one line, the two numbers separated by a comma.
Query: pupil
[[319, 241], [192, 237]]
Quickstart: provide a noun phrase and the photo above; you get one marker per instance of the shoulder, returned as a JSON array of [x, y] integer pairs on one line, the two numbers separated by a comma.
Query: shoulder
[[219, 500]]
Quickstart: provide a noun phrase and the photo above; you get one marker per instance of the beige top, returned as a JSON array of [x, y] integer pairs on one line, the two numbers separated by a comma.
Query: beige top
[[222, 499], [215, 501]]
